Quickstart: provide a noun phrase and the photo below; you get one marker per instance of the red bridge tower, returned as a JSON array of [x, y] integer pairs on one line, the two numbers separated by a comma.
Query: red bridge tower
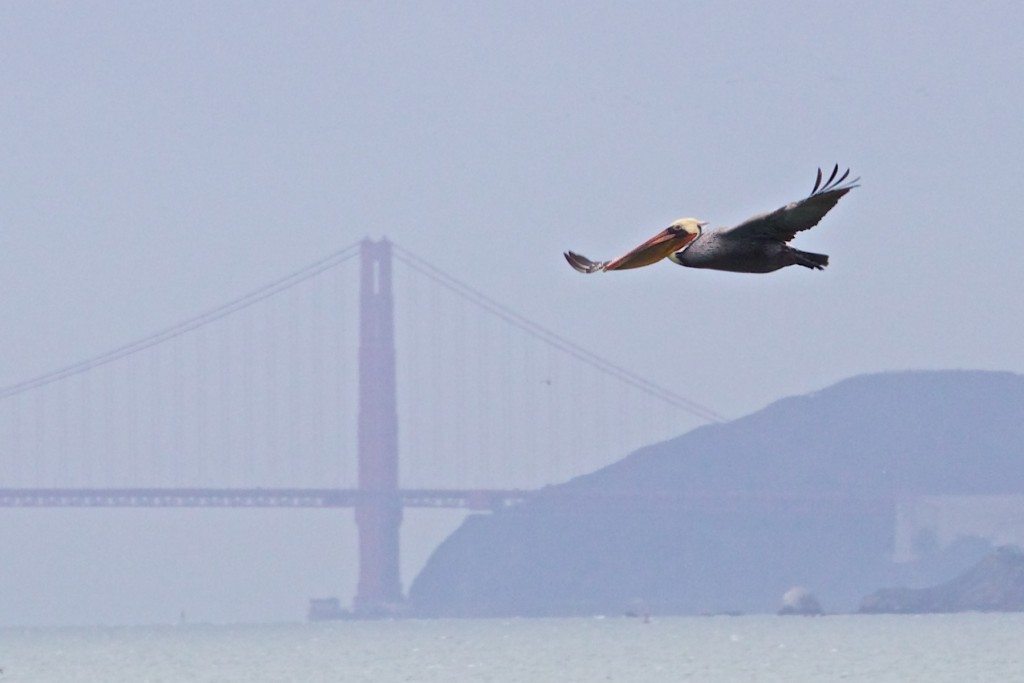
[[378, 516]]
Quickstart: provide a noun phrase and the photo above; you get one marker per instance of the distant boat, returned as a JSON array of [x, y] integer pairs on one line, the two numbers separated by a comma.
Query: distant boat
[[327, 609]]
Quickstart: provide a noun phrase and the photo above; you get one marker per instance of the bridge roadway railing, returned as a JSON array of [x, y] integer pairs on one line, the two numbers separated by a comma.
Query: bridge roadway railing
[[469, 499], [478, 499]]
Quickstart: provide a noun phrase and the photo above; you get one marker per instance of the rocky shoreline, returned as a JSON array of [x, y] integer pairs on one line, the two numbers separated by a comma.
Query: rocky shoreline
[[995, 584]]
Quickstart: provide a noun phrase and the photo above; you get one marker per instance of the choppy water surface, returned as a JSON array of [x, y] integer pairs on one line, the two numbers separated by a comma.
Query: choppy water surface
[[932, 648]]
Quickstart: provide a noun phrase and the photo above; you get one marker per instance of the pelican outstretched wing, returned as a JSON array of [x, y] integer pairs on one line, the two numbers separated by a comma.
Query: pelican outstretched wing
[[784, 223], [653, 250]]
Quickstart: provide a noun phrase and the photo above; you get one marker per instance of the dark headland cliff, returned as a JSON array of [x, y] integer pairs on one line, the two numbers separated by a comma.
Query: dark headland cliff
[[728, 517], [995, 584]]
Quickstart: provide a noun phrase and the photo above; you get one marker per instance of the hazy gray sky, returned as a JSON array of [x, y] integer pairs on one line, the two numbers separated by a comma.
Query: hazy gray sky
[[158, 160]]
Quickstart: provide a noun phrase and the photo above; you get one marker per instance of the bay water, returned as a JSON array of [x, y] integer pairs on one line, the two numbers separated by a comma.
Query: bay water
[[959, 647]]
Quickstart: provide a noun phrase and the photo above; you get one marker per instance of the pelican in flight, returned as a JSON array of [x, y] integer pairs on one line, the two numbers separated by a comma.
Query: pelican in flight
[[758, 245]]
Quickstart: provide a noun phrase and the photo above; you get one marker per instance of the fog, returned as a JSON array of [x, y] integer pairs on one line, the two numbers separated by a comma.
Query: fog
[[159, 161]]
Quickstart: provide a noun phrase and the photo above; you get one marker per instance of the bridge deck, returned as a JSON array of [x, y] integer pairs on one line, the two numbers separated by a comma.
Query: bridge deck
[[488, 499], [469, 499]]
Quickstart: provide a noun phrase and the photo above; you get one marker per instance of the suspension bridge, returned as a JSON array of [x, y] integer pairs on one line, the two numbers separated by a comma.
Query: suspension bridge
[[290, 396]]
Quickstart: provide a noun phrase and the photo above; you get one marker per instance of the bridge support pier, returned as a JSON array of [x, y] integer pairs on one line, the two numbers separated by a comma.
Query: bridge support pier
[[379, 513]]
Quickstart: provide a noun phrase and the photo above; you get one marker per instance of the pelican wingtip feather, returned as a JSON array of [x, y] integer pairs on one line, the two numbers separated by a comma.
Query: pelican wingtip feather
[[581, 263], [833, 183]]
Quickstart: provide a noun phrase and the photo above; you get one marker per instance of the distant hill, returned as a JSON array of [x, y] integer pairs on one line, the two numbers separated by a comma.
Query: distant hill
[[995, 584], [799, 493]]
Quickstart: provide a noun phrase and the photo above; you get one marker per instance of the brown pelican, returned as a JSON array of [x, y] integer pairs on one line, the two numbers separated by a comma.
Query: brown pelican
[[757, 245]]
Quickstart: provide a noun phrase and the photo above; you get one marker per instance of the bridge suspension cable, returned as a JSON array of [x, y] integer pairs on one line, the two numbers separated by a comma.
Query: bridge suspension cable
[[553, 339], [205, 318]]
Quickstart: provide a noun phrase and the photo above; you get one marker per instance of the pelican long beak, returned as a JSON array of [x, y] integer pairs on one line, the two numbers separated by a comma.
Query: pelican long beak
[[653, 250]]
